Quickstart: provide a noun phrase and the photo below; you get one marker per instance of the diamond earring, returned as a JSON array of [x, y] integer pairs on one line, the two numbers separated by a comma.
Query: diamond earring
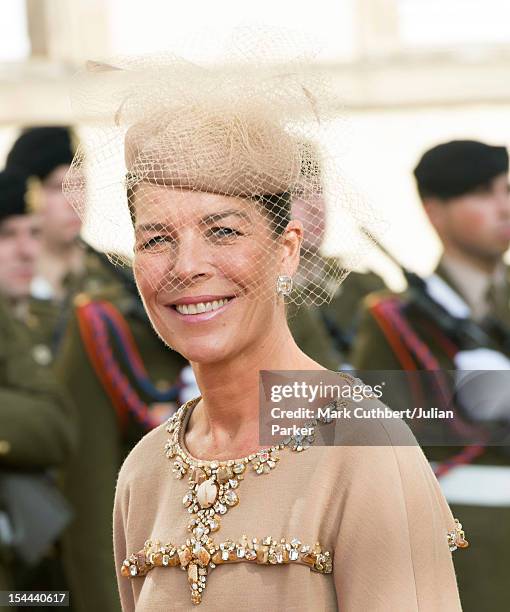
[[283, 285]]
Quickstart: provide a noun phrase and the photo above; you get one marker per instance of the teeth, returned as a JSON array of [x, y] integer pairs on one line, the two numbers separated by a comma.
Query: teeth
[[200, 307]]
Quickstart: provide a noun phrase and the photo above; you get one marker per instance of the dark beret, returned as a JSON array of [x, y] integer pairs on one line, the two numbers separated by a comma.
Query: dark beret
[[458, 167], [17, 193], [38, 151]]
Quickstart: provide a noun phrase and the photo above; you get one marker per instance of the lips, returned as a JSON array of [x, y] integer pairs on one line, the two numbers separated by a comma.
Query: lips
[[200, 307]]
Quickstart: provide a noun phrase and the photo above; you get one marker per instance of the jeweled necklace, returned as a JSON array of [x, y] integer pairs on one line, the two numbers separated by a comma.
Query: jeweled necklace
[[213, 491], [212, 484]]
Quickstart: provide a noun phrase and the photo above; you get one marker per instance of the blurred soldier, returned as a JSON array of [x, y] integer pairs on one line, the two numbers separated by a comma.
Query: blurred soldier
[[66, 265], [459, 319], [125, 381], [312, 336], [338, 318], [37, 428]]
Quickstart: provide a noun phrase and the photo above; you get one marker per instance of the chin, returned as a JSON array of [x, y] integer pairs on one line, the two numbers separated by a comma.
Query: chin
[[205, 354], [211, 345], [205, 350]]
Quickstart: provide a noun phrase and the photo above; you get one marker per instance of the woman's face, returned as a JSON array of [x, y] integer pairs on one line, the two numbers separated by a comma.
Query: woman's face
[[205, 266]]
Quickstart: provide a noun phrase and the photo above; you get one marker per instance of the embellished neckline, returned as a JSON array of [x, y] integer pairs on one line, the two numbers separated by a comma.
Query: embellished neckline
[[261, 461], [184, 418], [213, 490], [177, 423]]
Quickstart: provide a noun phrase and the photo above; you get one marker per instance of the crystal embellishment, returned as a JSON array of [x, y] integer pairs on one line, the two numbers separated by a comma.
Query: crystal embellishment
[[213, 491], [201, 560]]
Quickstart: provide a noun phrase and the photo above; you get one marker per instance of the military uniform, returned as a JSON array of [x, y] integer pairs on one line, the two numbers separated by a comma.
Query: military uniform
[[98, 338], [49, 317], [481, 570], [106, 436], [397, 333], [37, 424], [326, 332], [341, 315]]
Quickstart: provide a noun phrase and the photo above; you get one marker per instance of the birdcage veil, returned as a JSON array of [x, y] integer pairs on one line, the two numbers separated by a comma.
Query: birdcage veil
[[173, 145]]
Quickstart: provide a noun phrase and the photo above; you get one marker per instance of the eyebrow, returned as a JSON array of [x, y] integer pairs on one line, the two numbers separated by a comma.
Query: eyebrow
[[208, 219], [152, 227], [222, 215]]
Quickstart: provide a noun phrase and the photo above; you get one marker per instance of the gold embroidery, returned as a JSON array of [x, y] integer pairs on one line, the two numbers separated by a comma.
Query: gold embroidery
[[456, 537], [213, 485], [199, 559], [213, 491]]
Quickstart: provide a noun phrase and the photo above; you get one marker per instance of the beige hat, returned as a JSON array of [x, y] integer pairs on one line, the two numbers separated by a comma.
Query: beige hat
[[245, 129]]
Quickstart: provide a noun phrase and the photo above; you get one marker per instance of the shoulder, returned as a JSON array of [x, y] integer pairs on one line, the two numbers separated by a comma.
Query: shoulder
[[378, 460], [100, 274], [362, 421], [366, 424]]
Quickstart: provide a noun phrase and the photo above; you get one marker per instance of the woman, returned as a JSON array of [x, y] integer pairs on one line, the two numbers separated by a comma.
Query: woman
[[210, 181]]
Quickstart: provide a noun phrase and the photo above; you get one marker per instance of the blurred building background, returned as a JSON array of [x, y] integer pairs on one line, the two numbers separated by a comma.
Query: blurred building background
[[411, 73]]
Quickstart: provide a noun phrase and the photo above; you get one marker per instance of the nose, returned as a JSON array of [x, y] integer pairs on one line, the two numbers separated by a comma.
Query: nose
[[191, 259]]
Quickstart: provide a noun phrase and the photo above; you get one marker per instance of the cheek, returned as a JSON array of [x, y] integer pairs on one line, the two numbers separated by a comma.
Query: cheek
[[150, 272], [251, 266], [7, 254], [57, 209], [473, 220]]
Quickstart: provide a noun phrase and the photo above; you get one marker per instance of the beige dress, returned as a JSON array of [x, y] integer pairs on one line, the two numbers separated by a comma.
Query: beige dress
[[377, 513]]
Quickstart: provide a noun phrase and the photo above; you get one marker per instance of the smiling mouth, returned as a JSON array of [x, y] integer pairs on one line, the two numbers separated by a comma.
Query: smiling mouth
[[200, 307]]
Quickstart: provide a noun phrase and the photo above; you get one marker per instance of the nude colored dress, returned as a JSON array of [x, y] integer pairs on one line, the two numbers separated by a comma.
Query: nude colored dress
[[377, 512]]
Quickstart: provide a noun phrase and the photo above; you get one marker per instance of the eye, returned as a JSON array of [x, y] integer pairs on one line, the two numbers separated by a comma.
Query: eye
[[154, 242], [223, 232]]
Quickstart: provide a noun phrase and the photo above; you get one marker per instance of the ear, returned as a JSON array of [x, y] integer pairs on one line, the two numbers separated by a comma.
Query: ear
[[291, 240]]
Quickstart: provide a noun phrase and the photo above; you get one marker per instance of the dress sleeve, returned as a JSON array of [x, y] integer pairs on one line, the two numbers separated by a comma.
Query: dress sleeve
[[392, 549], [120, 515]]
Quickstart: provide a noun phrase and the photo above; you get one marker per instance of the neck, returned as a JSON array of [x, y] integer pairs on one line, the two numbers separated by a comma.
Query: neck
[[225, 424], [57, 261], [484, 264]]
